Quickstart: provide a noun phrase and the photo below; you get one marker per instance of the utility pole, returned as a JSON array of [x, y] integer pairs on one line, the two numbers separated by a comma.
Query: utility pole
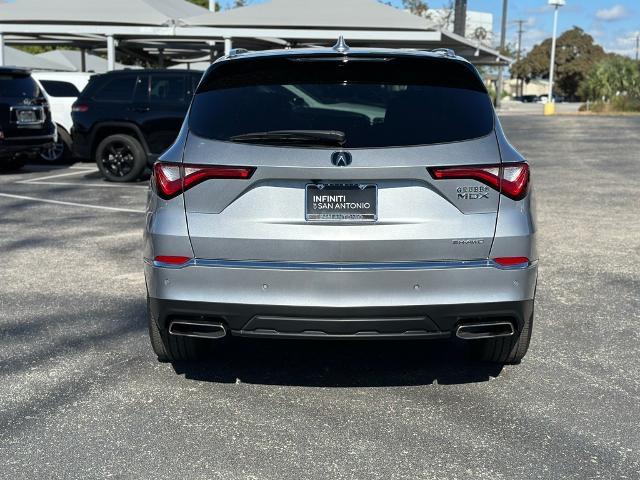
[[520, 81], [503, 38]]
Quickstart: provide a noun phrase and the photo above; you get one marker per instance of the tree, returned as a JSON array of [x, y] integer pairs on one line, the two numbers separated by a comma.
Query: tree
[[417, 7], [576, 53], [205, 4], [615, 75]]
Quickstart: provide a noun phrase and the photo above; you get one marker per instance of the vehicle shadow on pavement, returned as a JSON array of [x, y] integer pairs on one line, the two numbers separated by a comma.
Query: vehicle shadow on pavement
[[339, 364]]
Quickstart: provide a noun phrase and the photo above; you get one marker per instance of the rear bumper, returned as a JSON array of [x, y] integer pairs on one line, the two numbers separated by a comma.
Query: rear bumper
[[25, 145], [275, 321], [341, 303]]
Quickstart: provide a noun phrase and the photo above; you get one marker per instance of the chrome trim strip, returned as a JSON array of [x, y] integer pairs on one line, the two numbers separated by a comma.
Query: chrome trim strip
[[339, 266]]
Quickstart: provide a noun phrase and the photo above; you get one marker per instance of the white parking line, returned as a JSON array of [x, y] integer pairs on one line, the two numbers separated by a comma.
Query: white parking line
[[78, 171], [71, 204], [85, 185], [68, 174]]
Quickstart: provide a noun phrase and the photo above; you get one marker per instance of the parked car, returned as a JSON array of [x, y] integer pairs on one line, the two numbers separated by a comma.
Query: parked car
[[556, 99], [530, 99], [61, 90], [403, 213], [25, 118], [126, 119]]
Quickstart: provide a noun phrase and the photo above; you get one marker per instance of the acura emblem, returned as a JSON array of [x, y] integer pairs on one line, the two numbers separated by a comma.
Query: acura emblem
[[341, 159]]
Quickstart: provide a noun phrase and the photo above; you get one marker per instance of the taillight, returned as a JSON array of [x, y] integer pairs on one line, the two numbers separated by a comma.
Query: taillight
[[172, 259], [79, 107], [172, 179], [511, 261], [511, 180]]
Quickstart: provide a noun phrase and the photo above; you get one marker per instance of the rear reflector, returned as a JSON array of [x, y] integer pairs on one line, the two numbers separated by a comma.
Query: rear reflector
[[172, 259], [512, 180], [172, 179], [511, 261]]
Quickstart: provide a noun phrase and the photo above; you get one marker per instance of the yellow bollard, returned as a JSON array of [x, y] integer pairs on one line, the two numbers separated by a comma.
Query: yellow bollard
[[550, 108]]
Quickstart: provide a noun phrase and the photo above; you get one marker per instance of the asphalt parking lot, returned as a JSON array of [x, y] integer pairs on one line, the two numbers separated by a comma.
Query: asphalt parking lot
[[82, 396]]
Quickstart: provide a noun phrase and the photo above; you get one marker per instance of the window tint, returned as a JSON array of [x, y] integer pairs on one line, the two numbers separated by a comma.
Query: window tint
[[168, 88], [376, 102], [118, 89], [18, 86], [56, 88]]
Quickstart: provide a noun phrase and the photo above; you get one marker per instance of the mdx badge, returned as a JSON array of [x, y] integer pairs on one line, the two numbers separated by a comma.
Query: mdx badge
[[473, 193], [341, 159]]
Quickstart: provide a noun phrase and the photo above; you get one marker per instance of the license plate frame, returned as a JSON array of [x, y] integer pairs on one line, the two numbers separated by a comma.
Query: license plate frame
[[28, 115], [358, 205]]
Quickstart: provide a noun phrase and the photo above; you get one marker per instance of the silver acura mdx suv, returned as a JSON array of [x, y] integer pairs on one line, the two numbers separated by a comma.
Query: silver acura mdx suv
[[341, 193]]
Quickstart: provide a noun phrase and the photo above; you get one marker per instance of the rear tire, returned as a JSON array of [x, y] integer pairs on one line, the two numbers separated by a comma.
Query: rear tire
[[505, 350], [172, 348], [121, 158]]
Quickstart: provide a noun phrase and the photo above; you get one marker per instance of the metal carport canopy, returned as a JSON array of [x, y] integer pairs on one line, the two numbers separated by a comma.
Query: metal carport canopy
[[362, 22]]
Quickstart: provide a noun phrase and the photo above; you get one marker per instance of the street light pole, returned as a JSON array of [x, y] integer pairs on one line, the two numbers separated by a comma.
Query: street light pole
[[519, 87], [556, 4], [503, 38]]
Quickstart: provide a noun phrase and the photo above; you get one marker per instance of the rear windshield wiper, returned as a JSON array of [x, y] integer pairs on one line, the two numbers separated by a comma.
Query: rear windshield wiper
[[297, 137]]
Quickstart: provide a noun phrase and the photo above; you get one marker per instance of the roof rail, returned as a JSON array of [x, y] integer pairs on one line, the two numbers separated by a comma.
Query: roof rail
[[234, 52], [446, 52]]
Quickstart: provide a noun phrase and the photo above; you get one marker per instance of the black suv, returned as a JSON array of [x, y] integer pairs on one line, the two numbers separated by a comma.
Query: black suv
[[25, 119], [126, 119]]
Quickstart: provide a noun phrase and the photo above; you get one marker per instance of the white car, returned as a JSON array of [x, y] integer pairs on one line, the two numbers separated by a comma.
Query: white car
[[61, 90]]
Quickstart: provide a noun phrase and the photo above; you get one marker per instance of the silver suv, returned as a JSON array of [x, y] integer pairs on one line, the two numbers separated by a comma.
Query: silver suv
[[341, 194]]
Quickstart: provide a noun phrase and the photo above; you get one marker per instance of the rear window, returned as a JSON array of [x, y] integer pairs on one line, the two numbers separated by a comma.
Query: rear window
[[18, 86], [376, 102], [58, 88]]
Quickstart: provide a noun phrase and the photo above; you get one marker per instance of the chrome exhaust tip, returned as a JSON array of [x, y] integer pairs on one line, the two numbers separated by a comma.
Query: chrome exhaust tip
[[477, 331], [197, 329]]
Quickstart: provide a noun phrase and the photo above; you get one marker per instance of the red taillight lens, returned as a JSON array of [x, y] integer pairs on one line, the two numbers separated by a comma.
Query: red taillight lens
[[172, 259], [511, 180], [172, 179], [511, 261], [79, 107], [515, 180]]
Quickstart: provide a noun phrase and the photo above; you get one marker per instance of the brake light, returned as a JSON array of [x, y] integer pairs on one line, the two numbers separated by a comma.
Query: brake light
[[172, 179], [512, 180], [80, 107]]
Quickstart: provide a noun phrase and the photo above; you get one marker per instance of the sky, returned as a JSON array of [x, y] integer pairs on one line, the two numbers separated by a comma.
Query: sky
[[613, 23]]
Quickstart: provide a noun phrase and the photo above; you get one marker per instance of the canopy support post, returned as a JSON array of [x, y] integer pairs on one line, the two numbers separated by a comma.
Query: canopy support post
[[227, 45], [111, 53], [1, 49], [83, 59]]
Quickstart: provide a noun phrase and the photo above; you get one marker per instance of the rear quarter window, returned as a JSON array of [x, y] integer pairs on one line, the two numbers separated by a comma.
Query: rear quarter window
[[58, 88], [375, 101], [119, 89]]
